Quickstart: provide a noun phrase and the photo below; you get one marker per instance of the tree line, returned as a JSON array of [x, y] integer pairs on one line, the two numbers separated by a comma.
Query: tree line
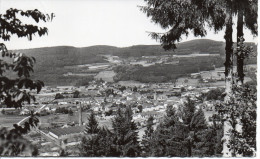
[[183, 132]]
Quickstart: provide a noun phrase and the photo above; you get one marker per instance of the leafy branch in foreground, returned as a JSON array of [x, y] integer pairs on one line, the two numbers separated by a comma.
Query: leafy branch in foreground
[[15, 82]]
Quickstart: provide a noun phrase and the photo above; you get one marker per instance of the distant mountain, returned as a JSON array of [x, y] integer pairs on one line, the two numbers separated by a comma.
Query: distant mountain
[[51, 60]]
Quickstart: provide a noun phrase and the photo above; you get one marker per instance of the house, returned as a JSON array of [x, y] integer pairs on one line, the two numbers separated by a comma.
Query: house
[[9, 111], [194, 75], [95, 109], [62, 103], [162, 97], [65, 87], [47, 108], [154, 114], [62, 133], [127, 92], [148, 108], [25, 112], [92, 87], [68, 136]]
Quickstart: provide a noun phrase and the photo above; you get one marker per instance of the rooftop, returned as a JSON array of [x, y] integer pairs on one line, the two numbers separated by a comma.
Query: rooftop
[[68, 130]]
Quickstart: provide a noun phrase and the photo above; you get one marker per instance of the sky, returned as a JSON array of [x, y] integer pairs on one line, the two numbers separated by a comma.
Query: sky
[[83, 23]]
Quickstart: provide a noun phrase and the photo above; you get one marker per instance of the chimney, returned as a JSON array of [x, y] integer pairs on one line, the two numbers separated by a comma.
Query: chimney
[[155, 96], [80, 114]]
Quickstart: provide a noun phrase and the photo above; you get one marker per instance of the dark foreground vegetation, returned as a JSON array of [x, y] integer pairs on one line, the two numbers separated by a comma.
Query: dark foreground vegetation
[[183, 132]]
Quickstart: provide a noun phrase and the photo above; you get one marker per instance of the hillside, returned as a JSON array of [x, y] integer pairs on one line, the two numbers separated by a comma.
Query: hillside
[[52, 61]]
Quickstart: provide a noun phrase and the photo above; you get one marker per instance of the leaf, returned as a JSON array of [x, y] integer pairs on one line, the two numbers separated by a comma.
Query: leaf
[[19, 97]]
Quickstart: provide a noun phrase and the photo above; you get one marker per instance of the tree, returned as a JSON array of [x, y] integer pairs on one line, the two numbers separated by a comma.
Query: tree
[[212, 144], [3, 111], [108, 113], [135, 89], [246, 11], [121, 142], [92, 126], [125, 135], [202, 97], [122, 88], [140, 108], [215, 94], [242, 104], [147, 136], [76, 94], [98, 145], [181, 134], [109, 92], [70, 112], [149, 127], [59, 96], [194, 122], [63, 153], [184, 16], [174, 81], [12, 90]]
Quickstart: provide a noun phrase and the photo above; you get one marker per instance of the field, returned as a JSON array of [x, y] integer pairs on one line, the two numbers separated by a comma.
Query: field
[[106, 75], [9, 120]]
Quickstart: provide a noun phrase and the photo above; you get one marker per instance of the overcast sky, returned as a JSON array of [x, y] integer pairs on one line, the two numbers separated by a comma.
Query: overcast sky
[[82, 23]]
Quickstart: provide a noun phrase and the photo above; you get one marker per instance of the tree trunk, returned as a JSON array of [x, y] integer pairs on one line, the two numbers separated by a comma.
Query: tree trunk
[[240, 62], [189, 148], [240, 57], [228, 77]]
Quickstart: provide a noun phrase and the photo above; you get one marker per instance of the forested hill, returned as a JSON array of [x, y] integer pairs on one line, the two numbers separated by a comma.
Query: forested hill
[[51, 60], [202, 46]]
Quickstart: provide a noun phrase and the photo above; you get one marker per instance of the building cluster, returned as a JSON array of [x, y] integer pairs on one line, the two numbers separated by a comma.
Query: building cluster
[[104, 99]]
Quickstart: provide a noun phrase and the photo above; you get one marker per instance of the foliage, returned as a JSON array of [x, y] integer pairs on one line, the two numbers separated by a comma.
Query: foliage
[[13, 91], [213, 137], [147, 136], [122, 88], [92, 126], [166, 72], [59, 96], [108, 113], [242, 105], [140, 108], [215, 94], [181, 134], [70, 112], [125, 135], [189, 16], [63, 153], [12, 141], [98, 145], [242, 52], [134, 89], [76, 94], [12, 25], [109, 92], [3, 111], [62, 110], [121, 142]]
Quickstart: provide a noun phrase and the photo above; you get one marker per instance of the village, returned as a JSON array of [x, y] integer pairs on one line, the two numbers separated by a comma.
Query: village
[[66, 108]]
